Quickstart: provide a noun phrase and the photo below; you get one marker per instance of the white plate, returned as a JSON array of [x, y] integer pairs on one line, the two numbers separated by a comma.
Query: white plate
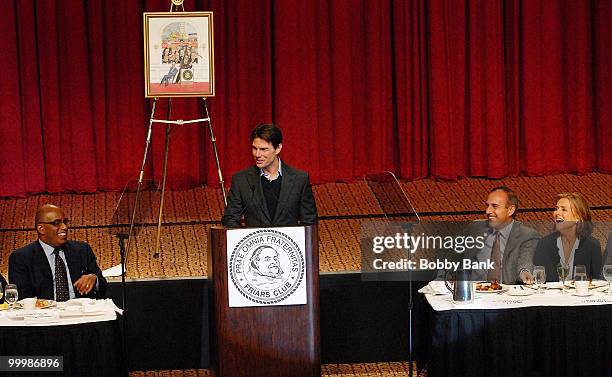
[[503, 289], [516, 291], [594, 284], [584, 295]]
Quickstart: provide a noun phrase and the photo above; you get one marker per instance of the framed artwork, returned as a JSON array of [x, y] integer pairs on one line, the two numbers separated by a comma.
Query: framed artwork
[[179, 54]]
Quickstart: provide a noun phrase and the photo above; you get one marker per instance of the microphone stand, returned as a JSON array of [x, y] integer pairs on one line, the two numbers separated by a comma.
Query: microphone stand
[[122, 237]]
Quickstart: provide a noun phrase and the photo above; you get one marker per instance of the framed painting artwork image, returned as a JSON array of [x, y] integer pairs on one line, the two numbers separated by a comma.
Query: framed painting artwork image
[[179, 54]]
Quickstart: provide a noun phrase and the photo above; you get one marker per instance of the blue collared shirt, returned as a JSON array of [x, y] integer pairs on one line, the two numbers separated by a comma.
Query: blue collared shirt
[[48, 249], [279, 173]]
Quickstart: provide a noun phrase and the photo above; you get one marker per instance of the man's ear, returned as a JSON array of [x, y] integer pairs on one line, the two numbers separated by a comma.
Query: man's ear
[[39, 229], [278, 149], [511, 210]]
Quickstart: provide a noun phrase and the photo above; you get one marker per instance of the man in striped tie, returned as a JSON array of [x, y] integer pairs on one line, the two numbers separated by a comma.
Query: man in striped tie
[[509, 244], [54, 267]]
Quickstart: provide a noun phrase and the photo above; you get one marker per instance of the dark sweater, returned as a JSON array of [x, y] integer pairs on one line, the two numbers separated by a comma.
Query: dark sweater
[[271, 191]]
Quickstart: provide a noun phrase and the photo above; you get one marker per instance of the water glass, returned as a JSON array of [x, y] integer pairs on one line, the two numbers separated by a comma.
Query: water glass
[[539, 276], [563, 272], [11, 295], [579, 269], [607, 274]]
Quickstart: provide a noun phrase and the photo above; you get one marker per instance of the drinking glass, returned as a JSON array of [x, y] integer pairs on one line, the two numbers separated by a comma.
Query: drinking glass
[[578, 278], [539, 277], [1, 292], [562, 271], [579, 269], [607, 274], [11, 294]]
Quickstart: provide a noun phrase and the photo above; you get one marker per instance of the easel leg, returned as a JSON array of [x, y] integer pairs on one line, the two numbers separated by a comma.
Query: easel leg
[[214, 144], [140, 179], [164, 175]]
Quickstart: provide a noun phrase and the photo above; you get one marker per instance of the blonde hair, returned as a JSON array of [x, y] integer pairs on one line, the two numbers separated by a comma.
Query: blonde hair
[[580, 208]]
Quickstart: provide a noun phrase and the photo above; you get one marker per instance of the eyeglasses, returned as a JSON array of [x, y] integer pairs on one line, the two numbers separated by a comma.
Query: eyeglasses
[[56, 223]]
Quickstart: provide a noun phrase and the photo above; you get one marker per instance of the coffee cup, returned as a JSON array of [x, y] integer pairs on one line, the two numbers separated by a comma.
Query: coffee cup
[[582, 287]]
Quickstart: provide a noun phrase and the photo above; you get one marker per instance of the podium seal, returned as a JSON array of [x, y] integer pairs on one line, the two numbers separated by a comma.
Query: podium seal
[[266, 266]]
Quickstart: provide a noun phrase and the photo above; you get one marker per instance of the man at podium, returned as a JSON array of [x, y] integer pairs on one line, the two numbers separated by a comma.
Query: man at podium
[[271, 193]]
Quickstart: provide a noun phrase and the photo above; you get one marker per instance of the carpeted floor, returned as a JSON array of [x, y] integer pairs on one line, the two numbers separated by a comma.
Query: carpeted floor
[[188, 215], [394, 369]]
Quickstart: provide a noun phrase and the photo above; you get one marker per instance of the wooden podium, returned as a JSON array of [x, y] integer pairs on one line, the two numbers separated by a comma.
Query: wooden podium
[[263, 341]]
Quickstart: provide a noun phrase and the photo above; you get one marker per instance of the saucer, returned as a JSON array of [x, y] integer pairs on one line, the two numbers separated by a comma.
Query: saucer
[[582, 295]]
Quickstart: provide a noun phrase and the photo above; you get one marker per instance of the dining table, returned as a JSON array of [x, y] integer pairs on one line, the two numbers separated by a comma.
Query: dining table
[[80, 337], [517, 331]]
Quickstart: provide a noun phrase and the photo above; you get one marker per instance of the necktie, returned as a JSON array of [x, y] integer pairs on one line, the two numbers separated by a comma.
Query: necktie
[[495, 273], [61, 279]]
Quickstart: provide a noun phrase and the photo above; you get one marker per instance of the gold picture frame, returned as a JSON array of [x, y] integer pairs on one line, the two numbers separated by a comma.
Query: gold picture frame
[[179, 54]]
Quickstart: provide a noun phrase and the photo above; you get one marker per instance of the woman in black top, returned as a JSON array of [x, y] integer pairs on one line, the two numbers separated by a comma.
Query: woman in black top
[[3, 283], [571, 241]]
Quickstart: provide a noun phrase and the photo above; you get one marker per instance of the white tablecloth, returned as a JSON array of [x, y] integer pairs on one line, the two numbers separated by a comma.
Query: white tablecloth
[[503, 300], [75, 313]]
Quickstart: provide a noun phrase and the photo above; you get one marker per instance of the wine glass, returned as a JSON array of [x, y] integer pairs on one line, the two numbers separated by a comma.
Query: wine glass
[[563, 272], [607, 274], [11, 294], [539, 277]]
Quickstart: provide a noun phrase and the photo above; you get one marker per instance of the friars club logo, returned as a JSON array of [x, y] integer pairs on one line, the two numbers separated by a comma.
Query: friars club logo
[[266, 267]]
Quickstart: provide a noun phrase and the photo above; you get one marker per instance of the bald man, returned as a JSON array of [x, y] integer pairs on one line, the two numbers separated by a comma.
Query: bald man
[[54, 267]]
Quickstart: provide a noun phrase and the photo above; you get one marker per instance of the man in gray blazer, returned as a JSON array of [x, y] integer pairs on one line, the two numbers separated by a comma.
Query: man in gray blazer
[[507, 240], [607, 257], [271, 193]]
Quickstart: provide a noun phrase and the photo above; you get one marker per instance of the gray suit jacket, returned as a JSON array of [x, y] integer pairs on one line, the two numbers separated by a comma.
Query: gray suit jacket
[[296, 204], [607, 257], [518, 254]]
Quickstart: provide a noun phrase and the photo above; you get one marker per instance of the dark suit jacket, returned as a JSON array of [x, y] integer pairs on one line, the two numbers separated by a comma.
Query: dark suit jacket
[[30, 270], [588, 253], [296, 204], [518, 253], [3, 282]]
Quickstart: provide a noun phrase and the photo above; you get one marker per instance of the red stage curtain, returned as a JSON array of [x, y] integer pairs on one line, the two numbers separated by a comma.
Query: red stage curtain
[[435, 88]]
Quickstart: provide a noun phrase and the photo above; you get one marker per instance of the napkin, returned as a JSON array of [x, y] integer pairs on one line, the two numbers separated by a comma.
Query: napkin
[[111, 305], [436, 287]]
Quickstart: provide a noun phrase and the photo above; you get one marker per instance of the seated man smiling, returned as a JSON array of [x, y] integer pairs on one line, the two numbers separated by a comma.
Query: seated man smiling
[[53, 267]]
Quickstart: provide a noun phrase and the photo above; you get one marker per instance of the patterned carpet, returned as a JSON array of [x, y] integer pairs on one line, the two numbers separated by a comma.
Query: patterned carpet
[[394, 369], [188, 216]]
